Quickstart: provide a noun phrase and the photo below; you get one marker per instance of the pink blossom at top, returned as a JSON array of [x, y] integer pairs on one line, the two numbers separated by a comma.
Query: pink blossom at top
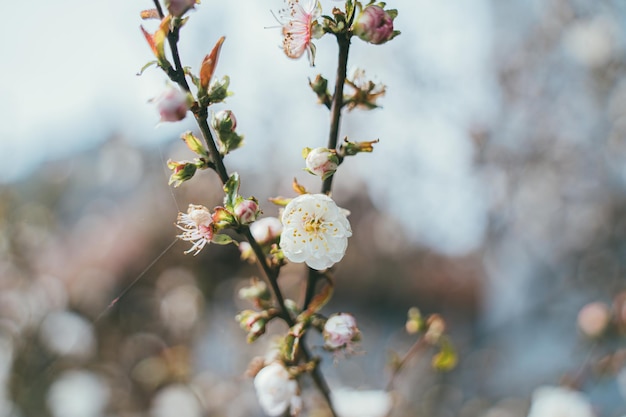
[[179, 7], [374, 25], [299, 21]]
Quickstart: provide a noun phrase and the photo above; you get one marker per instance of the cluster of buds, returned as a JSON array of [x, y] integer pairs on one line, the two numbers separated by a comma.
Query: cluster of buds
[[433, 330], [185, 170], [225, 124]]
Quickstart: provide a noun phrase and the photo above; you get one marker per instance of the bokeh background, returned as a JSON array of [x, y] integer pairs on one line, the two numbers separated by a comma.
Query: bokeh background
[[496, 197]]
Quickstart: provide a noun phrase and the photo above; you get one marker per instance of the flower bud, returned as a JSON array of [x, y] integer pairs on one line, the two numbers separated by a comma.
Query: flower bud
[[172, 105], [257, 292], [340, 331], [374, 25], [247, 211], [435, 328], [179, 7], [593, 319], [321, 162], [224, 121], [182, 171], [252, 322]]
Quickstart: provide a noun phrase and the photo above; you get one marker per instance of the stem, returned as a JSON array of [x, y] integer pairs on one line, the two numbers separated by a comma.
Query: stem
[[201, 117], [417, 346], [343, 41]]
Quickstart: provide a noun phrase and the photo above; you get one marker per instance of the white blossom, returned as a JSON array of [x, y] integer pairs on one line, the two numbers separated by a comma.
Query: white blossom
[[551, 401], [315, 231], [277, 391]]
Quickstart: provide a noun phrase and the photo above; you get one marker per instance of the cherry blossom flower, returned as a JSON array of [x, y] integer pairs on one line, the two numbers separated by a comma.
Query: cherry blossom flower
[[316, 231], [197, 227], [300, 26], [340, 331], [277, 391]]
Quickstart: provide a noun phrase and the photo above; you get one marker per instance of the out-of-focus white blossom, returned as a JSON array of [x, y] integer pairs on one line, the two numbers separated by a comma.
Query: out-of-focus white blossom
[[551, 401], [353, 403], [277, 391], [172, 105], [266, 230], [340, 331], [316, 231]]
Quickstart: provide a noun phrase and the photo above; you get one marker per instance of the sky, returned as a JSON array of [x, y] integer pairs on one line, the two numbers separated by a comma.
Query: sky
[[70, 83]]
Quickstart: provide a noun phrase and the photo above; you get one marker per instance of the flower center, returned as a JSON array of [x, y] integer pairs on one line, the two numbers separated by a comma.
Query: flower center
[[313, 225]]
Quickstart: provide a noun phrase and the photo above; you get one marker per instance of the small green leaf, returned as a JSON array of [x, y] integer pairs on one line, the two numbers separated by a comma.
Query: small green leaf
[[446, 359], [148, 65], [231, 188]]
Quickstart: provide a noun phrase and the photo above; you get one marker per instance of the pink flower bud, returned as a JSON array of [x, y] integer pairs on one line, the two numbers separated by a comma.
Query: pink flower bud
[[374, 25], [247, 211], [340, 331], [225, 121], [172, 105], [179, 7], [321, 162]]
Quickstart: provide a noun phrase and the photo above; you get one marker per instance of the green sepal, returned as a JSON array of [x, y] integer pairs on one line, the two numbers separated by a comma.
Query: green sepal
[[229, 141], [218, 90], [231, 188], [223, 218], [221, 239], [194, 144]]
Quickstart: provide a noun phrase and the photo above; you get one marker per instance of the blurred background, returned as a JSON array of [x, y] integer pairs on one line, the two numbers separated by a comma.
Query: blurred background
[[496, 197]]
